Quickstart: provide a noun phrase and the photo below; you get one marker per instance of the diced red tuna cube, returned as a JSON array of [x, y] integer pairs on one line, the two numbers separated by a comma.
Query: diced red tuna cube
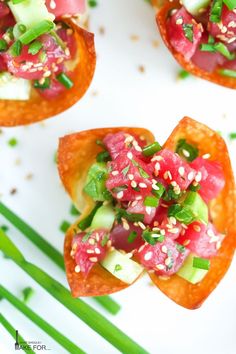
[[33, 67], [184, 33], [171, 168], [87, 251], [55, 89], [210, 177], [203, 240], [118, 142], [129, 178], [68, 7], [171, 227], [3, 65], [165, 258], [68, 37], [119, 237], [207, 61], [4, 9], [226, 29], [138, 207]]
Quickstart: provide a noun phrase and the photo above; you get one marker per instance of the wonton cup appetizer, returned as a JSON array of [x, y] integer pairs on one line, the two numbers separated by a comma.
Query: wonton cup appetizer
[[201, 35], [47, 60], [168, 210]]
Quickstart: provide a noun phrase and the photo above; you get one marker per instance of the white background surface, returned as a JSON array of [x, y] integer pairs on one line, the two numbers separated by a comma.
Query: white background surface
[[119, 95]]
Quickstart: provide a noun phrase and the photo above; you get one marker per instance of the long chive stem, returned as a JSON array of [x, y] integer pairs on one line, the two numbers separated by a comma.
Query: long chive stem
[[40, 322], [11, 330], [107, 302], [78, 307]]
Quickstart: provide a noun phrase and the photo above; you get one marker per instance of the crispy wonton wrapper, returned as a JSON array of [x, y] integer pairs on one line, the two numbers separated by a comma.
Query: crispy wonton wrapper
[[161, 19], [13, 113], [78, 151]]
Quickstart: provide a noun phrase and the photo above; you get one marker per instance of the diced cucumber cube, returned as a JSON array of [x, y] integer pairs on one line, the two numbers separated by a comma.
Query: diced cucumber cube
[[30, 12], [95, 185], [12, 88], [189, 273], [122, 267], [104, 218], [195, 7], [198, 207]]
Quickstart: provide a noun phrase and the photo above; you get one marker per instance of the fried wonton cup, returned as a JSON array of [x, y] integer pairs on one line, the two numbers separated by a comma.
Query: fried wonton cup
[[161, 18], [76, 154], [37, 108]]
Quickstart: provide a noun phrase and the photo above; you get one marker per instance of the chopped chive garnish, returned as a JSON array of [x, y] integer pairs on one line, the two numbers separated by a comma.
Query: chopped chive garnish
[[152, 237], [64, 226], [188, 31], [12, 142], [232, 136], [65, 80], [182, 214], [44, 85], [180, 248], [132, 236], [74, 211], [86, 222], [100, 143], [16, 48], [35, 47], [187, 151], [170, 194], [119, 189], [151, 149], [27, 294], [40, 28], [17, 1], [207, 47], [143, 173], [159, 190], [125, 170], [231, 4], [132, 217], [86, 236], [3, 45], [4, 228], [216, 11], [103, 156], [227, 72], [211, 39], [222, 49], [183, 74], [105, 239], [194, 188], [151, 201], [117, 267], [201, 263]]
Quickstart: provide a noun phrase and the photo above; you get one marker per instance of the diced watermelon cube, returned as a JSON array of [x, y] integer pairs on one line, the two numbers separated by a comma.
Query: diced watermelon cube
[[169, 166], [165, 258], [225, 30], [203, 240], [87, 251], [119, 237], [138, 207], [211, 178], [121, 141], [184, 33], [129, 178]]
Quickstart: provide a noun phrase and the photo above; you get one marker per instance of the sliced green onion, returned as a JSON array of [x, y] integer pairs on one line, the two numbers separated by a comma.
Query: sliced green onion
[[151, 201], [170, 194], [194, 188], [211, 39], [18, 30], [12, 142], [35, 47], [187, 151], [44, 85], [103, 156], [3, 45], [231, 4], [222, 49], [183, 74], [207, 47], [86, 222], [17, 1], [64, 226], [92, 3], [132, 236], [188, 31], [159, 190], [180, 248], [74, 211], [40, 28], [201, 263], [65, 80], [232, 136], [27, 294], [227, 72], [11, 330], [16, 48], [183, 215], [152, 237], [132, 217], [216, 10], [151, 149]]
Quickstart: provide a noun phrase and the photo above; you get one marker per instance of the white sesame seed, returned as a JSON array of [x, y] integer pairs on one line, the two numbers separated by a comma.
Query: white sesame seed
[[181, 171], [77, 269], [130, 155], [90, 251], [97, 250], [168, 261], [162, 232], [197, 228], [198, 177], [142, 185], [142, 225], [91, 241], [191, 176], [148, 256], [148, 210], [186, 153], [133, 184], [93, 259], [206, 156], [115, 173], [179, 21], [120, 195], [157, 166], [130, 176], [164, 249], [141, 248], [160, 266], [186, 242], [210, 233]]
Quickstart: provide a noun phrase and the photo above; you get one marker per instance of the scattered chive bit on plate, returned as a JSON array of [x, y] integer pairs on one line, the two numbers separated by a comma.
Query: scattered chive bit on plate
[[27, 293], [183, 74], [232, 136], [92, 3], [64, 226], [12, 142]]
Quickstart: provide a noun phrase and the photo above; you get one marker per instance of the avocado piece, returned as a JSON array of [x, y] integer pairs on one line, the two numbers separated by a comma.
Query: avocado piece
[[30, 12], [12, 88], [194, 202], [195, 7], [104, 218], [189, 273], [95, 185], [122, 267]]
